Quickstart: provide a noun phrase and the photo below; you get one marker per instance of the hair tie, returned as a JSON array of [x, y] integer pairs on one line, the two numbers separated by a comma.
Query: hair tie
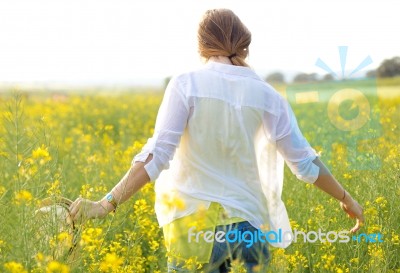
[[232, 55]]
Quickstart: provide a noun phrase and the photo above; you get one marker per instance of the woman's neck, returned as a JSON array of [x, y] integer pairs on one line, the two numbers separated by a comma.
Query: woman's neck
[[220, 59]]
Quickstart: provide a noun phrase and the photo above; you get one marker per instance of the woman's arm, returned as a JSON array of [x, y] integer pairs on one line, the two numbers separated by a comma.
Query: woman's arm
[[171, 122], [304, 163], [331, 186], [133, 181]]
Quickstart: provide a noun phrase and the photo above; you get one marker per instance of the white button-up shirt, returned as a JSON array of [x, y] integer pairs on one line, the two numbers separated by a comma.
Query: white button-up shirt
[[222, 135]]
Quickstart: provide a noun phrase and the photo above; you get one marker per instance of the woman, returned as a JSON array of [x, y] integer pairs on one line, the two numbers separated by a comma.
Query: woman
[[233, 131]]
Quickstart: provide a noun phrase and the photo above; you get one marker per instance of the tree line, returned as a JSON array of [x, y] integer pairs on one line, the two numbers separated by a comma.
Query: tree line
[[388, 68]]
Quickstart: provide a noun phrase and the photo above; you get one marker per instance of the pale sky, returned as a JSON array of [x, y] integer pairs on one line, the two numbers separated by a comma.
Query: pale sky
[[134, 42]]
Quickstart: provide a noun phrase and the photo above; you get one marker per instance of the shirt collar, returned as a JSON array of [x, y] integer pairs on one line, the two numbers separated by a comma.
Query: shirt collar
[[232, 69]]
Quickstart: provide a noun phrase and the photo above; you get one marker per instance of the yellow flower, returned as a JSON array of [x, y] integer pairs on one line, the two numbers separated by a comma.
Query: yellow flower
[[111, 262], [23, 196], [328, 260], [294, 224], [39, 257], [354, 260], [238, 266], [154, 245], [297, 260], [2, 190], [56, 267], [152, 259], [370, 212], [381, 201], [395, 239], [86, 191], [14, 267], [54, 188], [64, 239], [347, 176], [374, 229], [319, 209], [108, 128], [115, 246], [376, 252], [192, 264], [91, 235], [42, 154]]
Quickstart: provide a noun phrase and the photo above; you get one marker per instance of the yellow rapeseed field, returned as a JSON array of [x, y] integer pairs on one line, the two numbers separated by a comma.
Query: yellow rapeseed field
[[81, 144]]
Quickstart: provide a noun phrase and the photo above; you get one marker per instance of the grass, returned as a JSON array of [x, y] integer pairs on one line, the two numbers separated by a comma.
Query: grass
[[75, 144]]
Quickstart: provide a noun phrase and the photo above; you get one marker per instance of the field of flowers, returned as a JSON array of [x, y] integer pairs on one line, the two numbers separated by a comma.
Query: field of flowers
[[81, 144]]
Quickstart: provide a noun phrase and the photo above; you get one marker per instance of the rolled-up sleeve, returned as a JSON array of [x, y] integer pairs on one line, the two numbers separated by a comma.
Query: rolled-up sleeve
[[294, 148], [170, 124]]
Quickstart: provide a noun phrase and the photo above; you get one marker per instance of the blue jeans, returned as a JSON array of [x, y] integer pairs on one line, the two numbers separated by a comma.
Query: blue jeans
[[254, 256]]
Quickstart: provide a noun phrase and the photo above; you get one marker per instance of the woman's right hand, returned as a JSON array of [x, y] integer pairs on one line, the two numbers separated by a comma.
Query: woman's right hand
[[354, 210], [82, 209]]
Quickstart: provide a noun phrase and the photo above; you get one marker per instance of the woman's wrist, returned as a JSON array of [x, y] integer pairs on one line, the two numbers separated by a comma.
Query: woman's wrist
[[347, 199], [106, 206]]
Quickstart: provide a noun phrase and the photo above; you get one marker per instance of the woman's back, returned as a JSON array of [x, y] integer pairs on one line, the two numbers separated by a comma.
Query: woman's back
[[227, 106], [232, 114]]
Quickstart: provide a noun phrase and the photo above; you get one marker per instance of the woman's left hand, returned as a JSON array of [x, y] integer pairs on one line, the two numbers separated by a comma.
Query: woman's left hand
[[82, 209], [354, 210]]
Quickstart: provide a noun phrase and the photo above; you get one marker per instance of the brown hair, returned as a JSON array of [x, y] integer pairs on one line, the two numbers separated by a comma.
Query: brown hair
[[221, 33]]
